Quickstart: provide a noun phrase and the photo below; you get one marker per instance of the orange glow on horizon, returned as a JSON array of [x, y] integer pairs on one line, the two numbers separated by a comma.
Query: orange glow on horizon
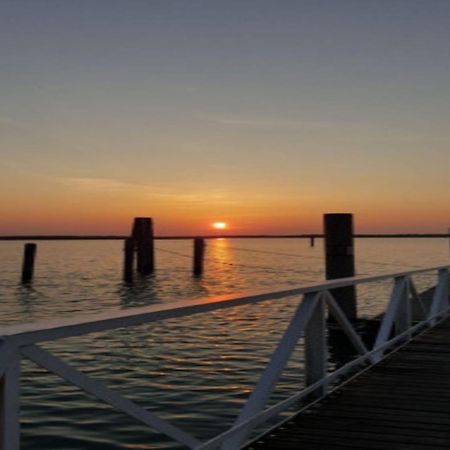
[[76, 210]]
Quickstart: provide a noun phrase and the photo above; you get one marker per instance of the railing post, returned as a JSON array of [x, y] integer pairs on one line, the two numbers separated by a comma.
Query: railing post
[[403, 319], [440, 298], [316, 348], [9, 398]]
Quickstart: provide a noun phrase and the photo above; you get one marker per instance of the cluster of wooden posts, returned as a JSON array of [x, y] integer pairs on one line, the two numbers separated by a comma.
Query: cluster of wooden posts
[[140, 247], [139, 255]]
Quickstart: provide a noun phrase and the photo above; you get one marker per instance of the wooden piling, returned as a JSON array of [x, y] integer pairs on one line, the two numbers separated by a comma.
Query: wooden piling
[[29, 255], [199, 253], [128, 260], [340, 259], [142, 235], [311, 241]]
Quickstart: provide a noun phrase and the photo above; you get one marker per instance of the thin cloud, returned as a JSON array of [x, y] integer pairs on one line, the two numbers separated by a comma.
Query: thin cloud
[[280, 124], [108, 185], [98, 184]]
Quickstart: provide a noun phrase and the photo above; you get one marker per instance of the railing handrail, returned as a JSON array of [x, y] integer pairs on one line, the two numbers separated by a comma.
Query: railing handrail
[[30, 333]]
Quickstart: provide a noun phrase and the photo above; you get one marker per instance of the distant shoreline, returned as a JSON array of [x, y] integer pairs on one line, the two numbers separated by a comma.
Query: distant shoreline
[[230, 236]]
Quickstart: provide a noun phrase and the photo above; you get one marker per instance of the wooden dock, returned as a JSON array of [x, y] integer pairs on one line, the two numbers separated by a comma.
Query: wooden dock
[[401, 403]]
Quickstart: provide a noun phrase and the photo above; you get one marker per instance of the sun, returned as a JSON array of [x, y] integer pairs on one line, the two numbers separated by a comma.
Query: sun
[[219, 225]]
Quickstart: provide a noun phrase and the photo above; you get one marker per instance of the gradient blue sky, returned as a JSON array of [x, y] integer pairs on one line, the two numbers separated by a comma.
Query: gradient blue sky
[[264, 114]]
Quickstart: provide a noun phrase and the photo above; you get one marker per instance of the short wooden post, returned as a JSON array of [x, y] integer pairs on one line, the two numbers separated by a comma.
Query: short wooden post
[[29, 254], [199, 253], [340, 259], [143, 238], [128, 260], [311, 241]]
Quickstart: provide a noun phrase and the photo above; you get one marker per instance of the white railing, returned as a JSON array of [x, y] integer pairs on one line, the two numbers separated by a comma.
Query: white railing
[[405, 315]]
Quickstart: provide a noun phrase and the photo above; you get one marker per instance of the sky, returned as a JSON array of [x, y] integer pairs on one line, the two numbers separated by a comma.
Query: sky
[[262, 114]]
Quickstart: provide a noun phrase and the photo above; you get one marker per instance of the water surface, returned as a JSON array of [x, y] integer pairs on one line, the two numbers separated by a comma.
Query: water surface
[[196, 371]]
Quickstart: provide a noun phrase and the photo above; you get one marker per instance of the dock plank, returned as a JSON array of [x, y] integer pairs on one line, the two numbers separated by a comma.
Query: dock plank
[[402, 403]]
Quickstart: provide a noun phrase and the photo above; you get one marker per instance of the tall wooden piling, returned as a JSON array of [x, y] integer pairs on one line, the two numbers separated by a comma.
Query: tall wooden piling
[[142, 235], [29, 255], [199, 253], [340, 259], [128, 260]]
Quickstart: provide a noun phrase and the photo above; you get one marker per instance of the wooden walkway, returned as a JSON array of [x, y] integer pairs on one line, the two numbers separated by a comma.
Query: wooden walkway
[[402, 403]]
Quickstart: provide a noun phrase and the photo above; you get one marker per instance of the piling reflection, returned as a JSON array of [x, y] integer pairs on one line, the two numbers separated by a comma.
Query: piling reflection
[[28, 298]]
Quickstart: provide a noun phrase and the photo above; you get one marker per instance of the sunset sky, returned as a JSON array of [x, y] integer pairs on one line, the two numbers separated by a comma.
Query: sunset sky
[[261, 114]]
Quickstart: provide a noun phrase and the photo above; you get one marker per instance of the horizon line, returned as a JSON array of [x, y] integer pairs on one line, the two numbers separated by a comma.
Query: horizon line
[[221, 236]]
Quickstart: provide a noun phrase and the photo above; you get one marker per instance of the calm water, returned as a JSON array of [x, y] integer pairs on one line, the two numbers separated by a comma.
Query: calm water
[[197, 371]]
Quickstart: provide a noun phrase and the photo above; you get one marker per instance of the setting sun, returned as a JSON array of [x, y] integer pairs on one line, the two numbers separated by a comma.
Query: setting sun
[[219, 225]]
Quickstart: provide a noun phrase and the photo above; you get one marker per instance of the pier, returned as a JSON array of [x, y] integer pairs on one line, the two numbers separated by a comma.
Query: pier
[[401, 403], [381, 376]]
